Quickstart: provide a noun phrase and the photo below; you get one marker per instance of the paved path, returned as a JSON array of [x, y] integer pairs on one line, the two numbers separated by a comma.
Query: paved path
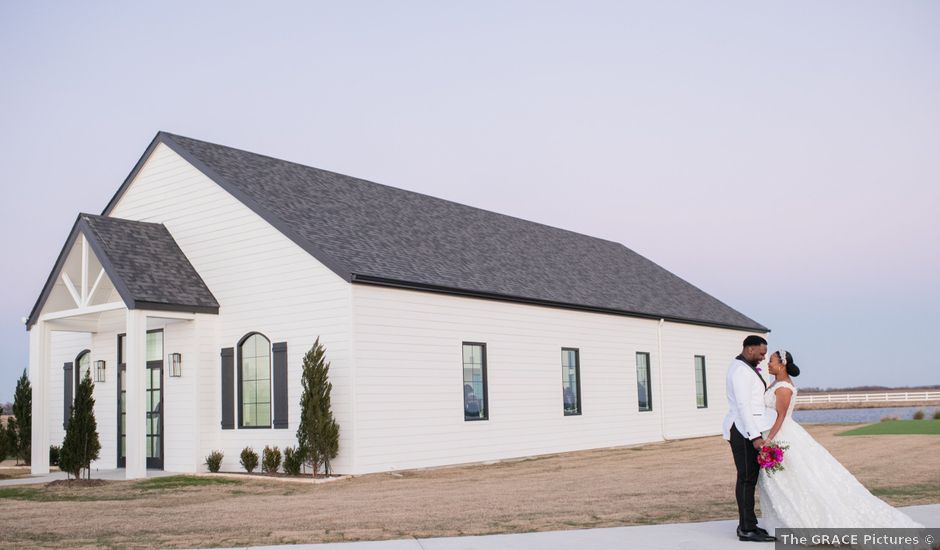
[[710, 535]]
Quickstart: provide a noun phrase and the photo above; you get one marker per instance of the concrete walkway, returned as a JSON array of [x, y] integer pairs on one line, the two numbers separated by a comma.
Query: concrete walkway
[[710, 535]]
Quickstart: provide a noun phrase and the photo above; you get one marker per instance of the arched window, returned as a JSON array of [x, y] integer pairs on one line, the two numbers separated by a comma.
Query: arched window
[[254, 381], [82, 365]]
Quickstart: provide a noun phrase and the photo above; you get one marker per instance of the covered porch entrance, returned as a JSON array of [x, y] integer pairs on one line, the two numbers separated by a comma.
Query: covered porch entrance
[[126, 284]]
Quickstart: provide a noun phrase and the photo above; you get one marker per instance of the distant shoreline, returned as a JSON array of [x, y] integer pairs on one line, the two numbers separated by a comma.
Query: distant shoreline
[[868, 389], [865, 405]]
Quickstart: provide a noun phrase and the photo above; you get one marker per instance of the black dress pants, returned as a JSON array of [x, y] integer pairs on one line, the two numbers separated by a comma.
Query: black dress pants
[[745, 461]]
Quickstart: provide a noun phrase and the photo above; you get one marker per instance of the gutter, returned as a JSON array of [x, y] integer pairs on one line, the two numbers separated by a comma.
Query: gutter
[[380, 281]]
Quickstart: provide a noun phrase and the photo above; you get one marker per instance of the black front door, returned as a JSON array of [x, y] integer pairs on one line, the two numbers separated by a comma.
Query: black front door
[[153, 402]]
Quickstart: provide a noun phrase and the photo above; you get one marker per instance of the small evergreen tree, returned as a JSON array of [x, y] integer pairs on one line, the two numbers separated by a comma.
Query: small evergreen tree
[[23, 411], [292, 461], [4, 445], [214, 461], [270, 459], [81, 444], [249, 459], [318, 433], [9, 434]]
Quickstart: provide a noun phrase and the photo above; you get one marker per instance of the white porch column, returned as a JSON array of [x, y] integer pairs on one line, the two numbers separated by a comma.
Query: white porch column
[[39, 381], [136, 361]]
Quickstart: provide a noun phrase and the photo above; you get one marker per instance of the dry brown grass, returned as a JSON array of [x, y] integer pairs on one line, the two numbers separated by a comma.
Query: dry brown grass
[[679, 481]]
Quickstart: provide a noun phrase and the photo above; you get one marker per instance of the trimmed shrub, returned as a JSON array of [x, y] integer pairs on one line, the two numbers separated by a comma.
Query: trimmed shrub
[[888, 418], [919, 415], [214, 461], [293, 460], [54, 452], [936, 415], [270, 459], [249, 459]]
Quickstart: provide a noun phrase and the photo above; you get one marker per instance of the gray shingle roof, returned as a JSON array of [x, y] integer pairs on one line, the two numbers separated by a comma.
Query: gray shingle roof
[[368, 232], [144, 263], [145, 259]]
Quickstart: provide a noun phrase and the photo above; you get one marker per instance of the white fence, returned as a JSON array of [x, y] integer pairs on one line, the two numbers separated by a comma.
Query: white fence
[[865, 397]]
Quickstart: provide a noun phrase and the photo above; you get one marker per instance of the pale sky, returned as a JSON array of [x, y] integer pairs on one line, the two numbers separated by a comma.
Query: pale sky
[[785, 159]]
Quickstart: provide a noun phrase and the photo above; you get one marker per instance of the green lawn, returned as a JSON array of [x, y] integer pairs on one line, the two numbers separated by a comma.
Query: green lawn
[[173, 482], [898, 427], [111, 490]]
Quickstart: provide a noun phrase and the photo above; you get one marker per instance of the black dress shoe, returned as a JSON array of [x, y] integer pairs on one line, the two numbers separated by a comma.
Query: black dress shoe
[[755, 536]]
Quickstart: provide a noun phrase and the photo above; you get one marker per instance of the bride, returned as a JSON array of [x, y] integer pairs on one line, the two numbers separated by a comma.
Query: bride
[[813, 490]]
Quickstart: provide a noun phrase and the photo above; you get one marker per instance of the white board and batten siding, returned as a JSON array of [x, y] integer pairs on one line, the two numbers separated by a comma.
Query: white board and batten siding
[[264, 283], [410, 379]]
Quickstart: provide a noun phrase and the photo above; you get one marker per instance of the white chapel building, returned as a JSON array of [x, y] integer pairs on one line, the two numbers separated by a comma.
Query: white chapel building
[[455, 335]]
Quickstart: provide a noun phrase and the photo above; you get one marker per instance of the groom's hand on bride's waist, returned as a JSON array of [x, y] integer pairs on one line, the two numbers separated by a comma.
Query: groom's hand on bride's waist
[[758, 443]]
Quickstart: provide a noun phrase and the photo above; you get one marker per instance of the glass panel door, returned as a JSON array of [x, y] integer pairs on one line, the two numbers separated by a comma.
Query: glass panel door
[[153, 401], [154, 421], [122, 416]]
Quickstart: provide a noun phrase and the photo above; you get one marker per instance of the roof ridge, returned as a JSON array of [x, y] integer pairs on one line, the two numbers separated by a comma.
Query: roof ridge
[[375, 229], [115, 218], [399, 189]]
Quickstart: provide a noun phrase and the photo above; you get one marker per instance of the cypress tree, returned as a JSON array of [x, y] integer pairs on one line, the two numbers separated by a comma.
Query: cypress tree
[[81, 444], [318, 433], [23, 411]]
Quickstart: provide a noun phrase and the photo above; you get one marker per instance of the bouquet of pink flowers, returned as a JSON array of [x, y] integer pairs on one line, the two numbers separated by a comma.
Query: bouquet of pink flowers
[[770, 457]]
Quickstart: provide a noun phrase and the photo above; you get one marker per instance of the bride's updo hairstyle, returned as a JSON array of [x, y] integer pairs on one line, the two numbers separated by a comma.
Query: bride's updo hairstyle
[[787, 361]]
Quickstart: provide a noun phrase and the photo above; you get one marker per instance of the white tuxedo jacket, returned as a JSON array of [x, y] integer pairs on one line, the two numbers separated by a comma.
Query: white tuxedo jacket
[[746, 411]]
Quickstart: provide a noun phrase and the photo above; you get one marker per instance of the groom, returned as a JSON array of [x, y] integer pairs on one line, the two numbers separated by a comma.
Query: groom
[[742, 427]]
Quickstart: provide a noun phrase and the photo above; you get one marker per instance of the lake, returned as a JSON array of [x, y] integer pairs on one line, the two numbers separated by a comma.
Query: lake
[[859, 416]]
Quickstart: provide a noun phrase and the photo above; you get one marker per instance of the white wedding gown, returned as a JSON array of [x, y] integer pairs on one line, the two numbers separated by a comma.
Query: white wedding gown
[[814, 490]]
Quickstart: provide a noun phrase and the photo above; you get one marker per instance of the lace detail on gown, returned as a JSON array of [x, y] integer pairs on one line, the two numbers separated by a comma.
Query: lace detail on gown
[[814, 490]]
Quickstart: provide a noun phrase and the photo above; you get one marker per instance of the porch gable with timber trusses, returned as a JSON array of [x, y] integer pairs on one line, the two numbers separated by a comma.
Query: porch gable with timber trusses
[[111, 267], [110, 263], [81, 290]]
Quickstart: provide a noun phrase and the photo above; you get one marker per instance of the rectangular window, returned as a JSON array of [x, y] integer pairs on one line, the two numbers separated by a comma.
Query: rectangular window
[[155, 345], [644, 381], [701, 392], [570, 381], [475, 405]]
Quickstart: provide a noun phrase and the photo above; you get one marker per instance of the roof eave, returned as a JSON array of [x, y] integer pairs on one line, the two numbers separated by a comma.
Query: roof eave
[[379, 281]]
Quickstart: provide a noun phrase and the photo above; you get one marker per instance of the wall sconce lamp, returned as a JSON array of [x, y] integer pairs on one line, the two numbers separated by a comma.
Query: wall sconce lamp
[[176, 365], [99, 370]]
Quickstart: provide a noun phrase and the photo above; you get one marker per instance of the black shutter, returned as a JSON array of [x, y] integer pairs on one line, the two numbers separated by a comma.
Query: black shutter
[[66, 394], [228, 388], [280, 385]]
